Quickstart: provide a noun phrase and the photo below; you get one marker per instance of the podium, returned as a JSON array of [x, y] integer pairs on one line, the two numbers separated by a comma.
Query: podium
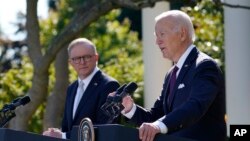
[[117, 132], [14, 135]]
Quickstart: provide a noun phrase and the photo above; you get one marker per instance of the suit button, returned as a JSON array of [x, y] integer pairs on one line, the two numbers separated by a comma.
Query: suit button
[[181, 126]]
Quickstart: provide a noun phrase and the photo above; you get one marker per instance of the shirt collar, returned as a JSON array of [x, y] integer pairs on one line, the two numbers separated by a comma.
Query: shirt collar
[[183, 57], [87, 80]]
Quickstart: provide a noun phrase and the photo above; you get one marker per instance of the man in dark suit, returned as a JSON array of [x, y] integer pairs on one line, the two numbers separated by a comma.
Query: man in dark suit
[[86, 95], [192, 101]]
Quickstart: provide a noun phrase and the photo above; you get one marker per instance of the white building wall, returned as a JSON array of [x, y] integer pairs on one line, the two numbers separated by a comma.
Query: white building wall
[[155, 67], [237, 53]]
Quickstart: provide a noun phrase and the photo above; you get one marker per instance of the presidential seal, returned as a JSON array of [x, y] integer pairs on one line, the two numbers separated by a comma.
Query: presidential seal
[[86, 130]]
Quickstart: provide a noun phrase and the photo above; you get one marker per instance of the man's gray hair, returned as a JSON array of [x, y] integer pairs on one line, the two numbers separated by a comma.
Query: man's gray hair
[[81, 41], [181, 18]]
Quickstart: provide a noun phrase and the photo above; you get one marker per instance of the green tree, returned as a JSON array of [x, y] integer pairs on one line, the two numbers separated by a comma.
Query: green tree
[[115, 43], [110, 37], [208, 21], [113, 40], [41, 57]]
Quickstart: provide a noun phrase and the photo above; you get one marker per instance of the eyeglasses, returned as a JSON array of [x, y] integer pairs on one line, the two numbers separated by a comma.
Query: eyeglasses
[[85, 58]]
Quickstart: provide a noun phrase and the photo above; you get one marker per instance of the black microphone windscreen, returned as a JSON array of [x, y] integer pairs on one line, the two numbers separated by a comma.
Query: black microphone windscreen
[[25, 100], [131, 87], [16, 100], [120, 89]]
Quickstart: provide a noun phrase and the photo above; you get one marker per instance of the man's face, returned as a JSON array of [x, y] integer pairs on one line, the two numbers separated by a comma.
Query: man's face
[[167, 38], [83, 58]]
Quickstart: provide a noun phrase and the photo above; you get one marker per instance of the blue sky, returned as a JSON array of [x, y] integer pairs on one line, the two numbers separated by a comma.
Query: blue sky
[[8, 15]]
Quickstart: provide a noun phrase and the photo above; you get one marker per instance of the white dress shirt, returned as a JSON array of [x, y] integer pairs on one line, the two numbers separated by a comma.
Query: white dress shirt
[[80, 91]]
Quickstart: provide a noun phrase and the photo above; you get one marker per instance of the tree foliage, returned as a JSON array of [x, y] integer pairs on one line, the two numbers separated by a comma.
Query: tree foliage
[[208, 21], [120, 56]]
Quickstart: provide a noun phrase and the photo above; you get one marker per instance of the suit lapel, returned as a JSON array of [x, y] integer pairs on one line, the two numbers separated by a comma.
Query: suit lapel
[[186, 66], [71, 101]]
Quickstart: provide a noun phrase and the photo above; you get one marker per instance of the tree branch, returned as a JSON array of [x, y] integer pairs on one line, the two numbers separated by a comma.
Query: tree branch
[[219, 2], [33, 37], [87, 13], [136, 4]]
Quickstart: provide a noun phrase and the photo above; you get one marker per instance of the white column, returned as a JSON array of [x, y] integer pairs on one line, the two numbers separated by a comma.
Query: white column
[[237, 51], [155, 67]]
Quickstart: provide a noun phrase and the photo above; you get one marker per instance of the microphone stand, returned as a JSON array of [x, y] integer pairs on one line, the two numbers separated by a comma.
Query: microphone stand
[[6, 114], [113, 105], [8, 111], [115, 108]]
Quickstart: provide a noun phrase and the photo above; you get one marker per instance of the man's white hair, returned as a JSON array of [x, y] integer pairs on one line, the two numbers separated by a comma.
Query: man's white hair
[[181, 18]]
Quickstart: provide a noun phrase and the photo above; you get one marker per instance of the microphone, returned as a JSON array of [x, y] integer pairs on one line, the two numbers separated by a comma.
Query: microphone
[[110, 99], [7, 113], [115, 107], [117, 92], [22, 101], [128, 90], [17, 102]]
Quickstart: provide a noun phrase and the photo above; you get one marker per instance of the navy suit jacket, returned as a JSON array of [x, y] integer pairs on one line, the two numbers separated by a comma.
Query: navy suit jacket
[[198, 107], [93, 98]]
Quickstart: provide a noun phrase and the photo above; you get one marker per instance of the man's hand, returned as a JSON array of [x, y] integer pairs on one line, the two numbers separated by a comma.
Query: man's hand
[[147, 131], [53, 132], [127, 102]]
